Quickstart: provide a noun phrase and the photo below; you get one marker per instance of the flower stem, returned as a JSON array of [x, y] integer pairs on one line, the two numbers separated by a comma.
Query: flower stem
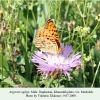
[[52, 78], [2, 60], [95, 74]]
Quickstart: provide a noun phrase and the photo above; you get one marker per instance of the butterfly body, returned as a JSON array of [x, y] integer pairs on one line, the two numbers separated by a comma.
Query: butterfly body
[[47, 39]]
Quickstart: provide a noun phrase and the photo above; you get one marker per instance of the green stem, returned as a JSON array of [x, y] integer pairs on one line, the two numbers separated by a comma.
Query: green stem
[[26, 29], [79, 9], [52, 78], [88, 17], [95, 74], [81, 14], [2, 60], [69, 36], [83, 62], [65, 16], [59, 12], [94, 28]]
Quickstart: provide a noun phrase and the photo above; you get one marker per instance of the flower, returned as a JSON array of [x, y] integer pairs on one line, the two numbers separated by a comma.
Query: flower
[[82, 30], [63, 62], [17, 30], [88, 58], [97, 18]]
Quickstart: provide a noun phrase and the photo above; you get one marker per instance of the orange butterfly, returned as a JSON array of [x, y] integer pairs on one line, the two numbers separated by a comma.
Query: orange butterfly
[[47, 39]]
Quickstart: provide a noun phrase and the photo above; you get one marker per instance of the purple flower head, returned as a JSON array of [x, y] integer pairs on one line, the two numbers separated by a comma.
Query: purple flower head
[[63, 62]]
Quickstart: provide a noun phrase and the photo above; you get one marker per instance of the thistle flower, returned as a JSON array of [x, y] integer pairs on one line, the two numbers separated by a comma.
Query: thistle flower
[[63, 62]]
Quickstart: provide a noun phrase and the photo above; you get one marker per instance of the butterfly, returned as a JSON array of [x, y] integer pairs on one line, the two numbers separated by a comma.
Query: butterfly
[[47, 39]]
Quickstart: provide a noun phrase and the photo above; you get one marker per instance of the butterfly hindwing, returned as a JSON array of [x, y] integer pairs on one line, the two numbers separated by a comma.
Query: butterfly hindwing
[[44, 40]]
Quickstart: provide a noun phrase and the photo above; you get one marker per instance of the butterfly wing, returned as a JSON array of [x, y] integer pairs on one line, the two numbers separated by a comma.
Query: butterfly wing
[[45, 42], [47, 38], [50, 26]]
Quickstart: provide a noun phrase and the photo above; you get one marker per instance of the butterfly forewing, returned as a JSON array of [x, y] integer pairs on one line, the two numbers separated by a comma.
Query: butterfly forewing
[[50, 26], [47, 38]]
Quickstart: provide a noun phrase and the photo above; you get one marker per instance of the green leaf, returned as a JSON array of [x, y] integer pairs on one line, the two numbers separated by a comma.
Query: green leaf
[[3, 63], [24, 81], [27, 64], [8, 81], [95, 54], [4, 4]]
